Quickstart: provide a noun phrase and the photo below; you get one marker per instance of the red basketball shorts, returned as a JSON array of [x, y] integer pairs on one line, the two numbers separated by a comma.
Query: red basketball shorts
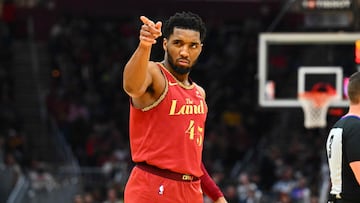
[[145, 187]]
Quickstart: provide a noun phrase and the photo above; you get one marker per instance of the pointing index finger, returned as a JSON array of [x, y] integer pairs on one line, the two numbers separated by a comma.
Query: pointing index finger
[[147, 21]]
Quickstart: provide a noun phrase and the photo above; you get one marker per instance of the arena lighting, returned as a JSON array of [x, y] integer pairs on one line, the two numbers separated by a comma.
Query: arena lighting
[[357, 51], [326, 4]]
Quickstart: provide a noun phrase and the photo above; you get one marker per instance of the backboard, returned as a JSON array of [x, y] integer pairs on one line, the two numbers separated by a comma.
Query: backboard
[[310, 76], [290, 63]]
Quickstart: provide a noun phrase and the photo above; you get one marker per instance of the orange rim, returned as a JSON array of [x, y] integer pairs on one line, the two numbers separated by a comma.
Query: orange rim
[[319, 98]]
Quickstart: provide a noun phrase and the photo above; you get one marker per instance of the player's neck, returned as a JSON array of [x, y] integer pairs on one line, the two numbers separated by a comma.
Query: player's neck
[[354, 109]]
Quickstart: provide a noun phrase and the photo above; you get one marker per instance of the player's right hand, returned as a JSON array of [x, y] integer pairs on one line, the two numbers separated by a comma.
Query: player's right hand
[[149, 31]]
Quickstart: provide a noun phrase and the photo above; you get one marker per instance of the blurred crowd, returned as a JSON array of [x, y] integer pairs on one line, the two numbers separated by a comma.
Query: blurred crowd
[[254, 155]]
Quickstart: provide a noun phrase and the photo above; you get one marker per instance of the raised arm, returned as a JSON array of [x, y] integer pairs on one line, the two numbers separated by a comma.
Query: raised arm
[[137, 76]]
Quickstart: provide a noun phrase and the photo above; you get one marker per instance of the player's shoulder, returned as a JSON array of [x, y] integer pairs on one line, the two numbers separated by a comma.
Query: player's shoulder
[[200, 89], [154, 68], [351, 118], [153, 65], [349, 122]]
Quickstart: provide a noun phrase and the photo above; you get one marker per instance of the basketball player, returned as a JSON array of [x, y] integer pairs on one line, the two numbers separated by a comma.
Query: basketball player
[[343, 150], [167, 116]]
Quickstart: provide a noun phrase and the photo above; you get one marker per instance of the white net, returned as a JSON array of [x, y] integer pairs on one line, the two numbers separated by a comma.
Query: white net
[[315, 106]]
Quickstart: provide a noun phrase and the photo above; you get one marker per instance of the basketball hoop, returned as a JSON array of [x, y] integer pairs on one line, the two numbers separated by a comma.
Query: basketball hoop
[[315, 104]]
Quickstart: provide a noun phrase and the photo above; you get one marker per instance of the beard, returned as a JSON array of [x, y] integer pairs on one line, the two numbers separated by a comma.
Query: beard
[[177, 69]]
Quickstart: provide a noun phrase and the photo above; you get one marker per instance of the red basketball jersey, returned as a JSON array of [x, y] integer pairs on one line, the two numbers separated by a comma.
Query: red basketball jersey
[[169, 134]]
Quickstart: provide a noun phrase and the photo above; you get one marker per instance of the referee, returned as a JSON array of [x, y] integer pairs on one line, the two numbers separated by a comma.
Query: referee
[[343, 150]]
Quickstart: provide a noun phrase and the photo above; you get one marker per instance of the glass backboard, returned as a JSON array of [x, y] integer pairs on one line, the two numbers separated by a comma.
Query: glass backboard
[[289, 63]]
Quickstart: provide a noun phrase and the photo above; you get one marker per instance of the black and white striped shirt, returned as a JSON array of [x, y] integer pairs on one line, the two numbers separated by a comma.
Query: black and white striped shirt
[[343, 147]]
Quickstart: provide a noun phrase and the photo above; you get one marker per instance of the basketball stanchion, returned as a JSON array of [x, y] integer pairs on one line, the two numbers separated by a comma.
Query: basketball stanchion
[[315, 104]]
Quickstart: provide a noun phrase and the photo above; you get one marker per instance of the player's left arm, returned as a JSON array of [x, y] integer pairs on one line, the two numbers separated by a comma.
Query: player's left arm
[[221, 200], [208, 185], [210, 188]]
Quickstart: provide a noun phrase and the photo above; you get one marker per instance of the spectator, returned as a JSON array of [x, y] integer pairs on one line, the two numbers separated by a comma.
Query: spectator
[[301, 192], [41, 180], [230, 194], [247, 191], [112, 196], [14, 167], [78, 199], [89, 198], [285, 184]]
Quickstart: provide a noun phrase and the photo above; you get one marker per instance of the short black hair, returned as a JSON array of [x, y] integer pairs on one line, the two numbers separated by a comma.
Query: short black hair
[[185, 20]]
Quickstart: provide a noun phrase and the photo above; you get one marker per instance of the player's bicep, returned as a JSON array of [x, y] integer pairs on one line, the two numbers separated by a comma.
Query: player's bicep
[[137, 87], [155, 87]]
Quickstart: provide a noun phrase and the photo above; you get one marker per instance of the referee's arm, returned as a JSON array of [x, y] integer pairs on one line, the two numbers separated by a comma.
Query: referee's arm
[[355, 167]]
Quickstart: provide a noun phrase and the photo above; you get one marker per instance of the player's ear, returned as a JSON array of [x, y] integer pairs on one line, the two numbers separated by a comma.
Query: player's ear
[[165, 44]]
